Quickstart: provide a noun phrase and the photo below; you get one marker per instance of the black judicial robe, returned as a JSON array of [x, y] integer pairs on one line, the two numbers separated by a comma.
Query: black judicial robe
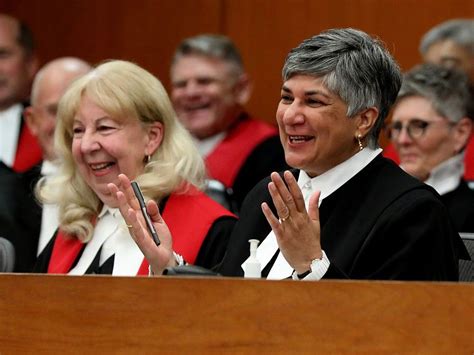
[[20, 214], [381, 224], [460, 204]]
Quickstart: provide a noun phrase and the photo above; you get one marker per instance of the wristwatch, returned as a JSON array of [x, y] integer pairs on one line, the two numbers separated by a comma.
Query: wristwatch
[[317, 269]]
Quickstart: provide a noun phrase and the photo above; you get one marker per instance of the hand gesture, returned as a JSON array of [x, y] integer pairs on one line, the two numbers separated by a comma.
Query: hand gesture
[[159, 257], [297, 231]]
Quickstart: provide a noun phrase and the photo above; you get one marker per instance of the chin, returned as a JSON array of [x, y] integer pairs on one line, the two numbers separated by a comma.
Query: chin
[[296, 161], [109, 201], [410, 169]]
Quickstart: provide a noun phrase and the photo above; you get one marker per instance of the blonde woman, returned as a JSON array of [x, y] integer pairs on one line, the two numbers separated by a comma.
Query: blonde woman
[[118, 119]]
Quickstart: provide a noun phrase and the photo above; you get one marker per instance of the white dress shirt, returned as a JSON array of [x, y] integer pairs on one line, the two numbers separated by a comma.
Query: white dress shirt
[[327, 183], [10, 122], [207, 145], [446, 177], [50, 212]]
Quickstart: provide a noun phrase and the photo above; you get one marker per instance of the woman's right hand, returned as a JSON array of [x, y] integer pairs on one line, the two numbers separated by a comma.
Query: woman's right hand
[[159, 257]]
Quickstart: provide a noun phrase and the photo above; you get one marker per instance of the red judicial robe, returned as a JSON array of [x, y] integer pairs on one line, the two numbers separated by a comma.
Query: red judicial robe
[[189, 217], [226, 160]]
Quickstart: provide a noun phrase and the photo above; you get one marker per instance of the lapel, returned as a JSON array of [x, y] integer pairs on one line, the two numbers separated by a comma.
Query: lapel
[[128, 256], [104, 229]]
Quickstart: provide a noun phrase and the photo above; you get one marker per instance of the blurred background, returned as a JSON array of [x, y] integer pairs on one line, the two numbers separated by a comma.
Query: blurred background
[[147, 31]]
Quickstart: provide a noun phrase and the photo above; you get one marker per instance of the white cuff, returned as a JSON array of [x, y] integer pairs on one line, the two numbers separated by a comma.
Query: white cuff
[[177, 258], [318, 268]]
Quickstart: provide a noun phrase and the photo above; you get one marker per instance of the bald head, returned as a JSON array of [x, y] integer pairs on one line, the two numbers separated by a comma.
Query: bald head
[[56, 76], [18, 63], [49, 85]]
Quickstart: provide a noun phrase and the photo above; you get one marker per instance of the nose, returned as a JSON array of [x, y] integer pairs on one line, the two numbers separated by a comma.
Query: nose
[[403, 136], [192, 89], [89, 143], [292, 114]]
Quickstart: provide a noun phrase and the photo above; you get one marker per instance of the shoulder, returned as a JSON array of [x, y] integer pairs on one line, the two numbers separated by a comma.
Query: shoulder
[[196, 201], [388, 179], [252, 130]]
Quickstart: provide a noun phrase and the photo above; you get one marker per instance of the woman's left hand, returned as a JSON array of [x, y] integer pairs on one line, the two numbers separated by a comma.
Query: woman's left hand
[[297, 231], [159, 257]]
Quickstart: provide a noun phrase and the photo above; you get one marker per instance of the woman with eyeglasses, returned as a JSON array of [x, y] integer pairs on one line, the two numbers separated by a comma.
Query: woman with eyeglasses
[[343, 211], [430, 130]]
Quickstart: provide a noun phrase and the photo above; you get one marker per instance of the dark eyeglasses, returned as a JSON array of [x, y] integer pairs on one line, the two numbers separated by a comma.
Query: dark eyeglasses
[[415, 128]]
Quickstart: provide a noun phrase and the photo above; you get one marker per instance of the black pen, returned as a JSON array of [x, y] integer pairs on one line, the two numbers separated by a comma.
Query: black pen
[[141, 201]]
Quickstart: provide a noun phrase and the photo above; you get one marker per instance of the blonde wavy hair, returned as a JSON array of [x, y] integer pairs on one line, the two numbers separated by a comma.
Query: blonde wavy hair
[[123, 90]]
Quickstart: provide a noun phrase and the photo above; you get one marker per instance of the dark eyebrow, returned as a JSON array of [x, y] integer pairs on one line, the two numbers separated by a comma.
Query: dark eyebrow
[[307, 93], [317, 92]]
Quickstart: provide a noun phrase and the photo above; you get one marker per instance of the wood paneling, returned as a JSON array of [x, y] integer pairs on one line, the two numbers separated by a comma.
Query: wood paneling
[[142, 31], [266, 30], [147, 31], [94, 314]]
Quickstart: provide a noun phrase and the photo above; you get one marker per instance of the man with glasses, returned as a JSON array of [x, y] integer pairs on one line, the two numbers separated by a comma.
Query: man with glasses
[[429, 131]]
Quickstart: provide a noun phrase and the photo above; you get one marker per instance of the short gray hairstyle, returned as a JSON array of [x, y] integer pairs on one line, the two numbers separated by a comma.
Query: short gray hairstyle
[[460, 31], [447, 89], [213, 46], [354, 66]]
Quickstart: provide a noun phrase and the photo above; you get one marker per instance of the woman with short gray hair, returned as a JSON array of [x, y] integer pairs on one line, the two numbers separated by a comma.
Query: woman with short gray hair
[[430, 130]]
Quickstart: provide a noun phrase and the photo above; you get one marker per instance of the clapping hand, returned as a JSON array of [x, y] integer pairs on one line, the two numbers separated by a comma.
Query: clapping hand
[[297, 231]]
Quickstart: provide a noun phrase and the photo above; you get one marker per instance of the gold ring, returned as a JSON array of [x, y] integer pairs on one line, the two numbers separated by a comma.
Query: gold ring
[[129, 226], [283, 219]]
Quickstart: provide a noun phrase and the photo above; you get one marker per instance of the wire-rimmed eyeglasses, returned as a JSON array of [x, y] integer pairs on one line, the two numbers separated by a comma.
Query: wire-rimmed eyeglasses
[[415, 128]]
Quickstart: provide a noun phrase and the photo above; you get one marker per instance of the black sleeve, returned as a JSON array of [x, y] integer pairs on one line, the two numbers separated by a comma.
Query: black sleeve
[[213, 248], [265, 158], [413, 239], [19, 221]]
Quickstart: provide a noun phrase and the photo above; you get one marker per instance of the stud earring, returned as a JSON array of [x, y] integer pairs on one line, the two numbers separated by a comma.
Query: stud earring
[[360, 142]]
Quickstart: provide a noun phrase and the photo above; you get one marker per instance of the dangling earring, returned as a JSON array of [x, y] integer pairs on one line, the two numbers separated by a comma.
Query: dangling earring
[[147, 158], [360, 142]]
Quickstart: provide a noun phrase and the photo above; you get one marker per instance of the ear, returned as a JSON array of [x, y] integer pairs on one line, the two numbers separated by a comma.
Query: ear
[[33, 66], [462, 132], [155, 136], [242, 89], [30, 120], [366, 120]]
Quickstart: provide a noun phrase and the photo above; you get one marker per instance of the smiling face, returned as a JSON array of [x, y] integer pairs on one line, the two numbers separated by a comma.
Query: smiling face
[[104, 147], [205, 94], [314, 128], [439, 142]]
